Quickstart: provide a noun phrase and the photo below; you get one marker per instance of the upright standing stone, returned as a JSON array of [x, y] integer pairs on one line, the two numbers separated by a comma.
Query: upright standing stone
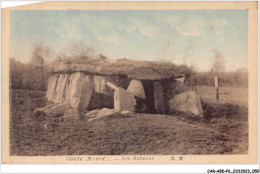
[[103, 85], [123, 100], [50, 95], [80, 90], [99, 84], [62, 84], [136, 88], [159, 101], [187, 102]]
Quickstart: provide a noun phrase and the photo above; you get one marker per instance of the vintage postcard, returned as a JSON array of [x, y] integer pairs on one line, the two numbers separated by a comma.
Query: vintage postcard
[[130, 83]]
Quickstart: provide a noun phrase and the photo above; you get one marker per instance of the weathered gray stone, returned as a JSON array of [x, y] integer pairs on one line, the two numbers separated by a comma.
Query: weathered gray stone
[[136, 88], [134, 69], [177, 87], [105, 112], [80, 90], [58, 109], [126, 112], [159, 100], [50, 95], [41, 111], [53, 110], [71, 114], [62, 84], [186, 102], [111, 85], [123, 100], [99, 84], [91, 114]]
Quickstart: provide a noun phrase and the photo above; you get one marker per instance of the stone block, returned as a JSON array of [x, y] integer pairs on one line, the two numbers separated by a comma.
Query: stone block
[[136, 88], [186, 102], [80, 90], [53, 110], [51, 91], [62, 85], [91, 114], [123, 100], [126, 112], [105, 112], [159, 100], [72, 114], [57, 109]]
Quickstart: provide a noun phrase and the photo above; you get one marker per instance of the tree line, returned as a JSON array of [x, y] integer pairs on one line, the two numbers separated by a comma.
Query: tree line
[[35, 74], [237, 78]]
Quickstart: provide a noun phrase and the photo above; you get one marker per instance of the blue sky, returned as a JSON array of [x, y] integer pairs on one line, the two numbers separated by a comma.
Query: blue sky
[[180, 36]]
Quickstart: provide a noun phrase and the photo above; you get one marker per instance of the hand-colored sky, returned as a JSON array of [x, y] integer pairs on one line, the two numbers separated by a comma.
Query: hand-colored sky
[[180, 36]]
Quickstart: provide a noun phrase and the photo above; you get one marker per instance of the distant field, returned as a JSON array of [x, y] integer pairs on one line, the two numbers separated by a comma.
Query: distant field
[[231, 95], [224, 130]]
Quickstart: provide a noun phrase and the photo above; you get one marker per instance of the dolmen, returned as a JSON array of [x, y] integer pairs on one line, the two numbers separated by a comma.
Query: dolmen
[[94, 88]]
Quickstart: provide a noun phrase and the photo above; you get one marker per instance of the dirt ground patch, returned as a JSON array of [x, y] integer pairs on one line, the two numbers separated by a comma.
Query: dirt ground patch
[[124, 134]]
